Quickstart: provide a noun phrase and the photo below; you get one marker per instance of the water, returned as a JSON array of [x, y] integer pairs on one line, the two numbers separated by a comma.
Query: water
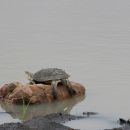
[[89, 39]]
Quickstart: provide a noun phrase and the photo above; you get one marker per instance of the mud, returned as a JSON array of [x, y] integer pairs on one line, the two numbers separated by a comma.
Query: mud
[[51, 122], [48, 122]]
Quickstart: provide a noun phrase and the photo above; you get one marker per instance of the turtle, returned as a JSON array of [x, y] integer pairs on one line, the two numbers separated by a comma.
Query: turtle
[[51, 76]]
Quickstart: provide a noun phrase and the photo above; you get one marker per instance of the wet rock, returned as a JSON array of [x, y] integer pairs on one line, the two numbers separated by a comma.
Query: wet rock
[[89, 113], [14, 126], [124, 122], [125, 125], [55, 117], [48, 122], [45, 125], [51, 122]]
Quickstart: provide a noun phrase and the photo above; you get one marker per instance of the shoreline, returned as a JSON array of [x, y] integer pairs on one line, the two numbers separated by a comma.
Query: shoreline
[[50, 122]]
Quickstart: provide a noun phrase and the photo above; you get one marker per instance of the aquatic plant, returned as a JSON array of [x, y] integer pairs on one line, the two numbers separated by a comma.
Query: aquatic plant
[[25, 106]]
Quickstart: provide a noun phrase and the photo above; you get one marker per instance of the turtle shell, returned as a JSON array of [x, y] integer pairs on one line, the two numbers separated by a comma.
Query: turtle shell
[[49, 74]]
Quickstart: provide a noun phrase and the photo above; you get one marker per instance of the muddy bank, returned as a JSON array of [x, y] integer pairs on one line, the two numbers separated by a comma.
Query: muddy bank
[[51, 122], [48, 122]]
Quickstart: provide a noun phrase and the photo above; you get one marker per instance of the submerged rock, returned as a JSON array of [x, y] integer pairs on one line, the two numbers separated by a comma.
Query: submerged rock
[[124, 122], [89, 113]]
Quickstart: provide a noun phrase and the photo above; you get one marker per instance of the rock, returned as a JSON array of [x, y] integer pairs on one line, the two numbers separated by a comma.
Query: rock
[[90, 113], [124, 122], [14, 126], [37, 93], [48, 122]]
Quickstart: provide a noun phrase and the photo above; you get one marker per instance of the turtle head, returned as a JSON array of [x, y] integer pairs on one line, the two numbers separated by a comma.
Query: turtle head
[[29, 76]]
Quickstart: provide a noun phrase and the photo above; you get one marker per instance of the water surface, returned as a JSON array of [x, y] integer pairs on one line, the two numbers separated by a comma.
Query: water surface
[[89, 39]]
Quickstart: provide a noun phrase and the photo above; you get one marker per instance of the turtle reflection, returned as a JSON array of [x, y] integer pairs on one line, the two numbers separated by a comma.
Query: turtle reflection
[[42, 109]]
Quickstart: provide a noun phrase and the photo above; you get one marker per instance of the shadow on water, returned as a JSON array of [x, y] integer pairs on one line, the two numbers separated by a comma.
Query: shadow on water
[[65, 106]]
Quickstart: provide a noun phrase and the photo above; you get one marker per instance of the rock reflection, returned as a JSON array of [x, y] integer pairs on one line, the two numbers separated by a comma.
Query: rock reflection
[[16, 111]]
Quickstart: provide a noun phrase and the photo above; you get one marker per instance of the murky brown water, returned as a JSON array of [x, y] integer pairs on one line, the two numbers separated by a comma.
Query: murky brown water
[[89, 39]]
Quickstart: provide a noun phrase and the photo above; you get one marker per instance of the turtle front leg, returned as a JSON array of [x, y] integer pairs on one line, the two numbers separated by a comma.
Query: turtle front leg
[[32, 82], [67, 84], [54, 87]]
